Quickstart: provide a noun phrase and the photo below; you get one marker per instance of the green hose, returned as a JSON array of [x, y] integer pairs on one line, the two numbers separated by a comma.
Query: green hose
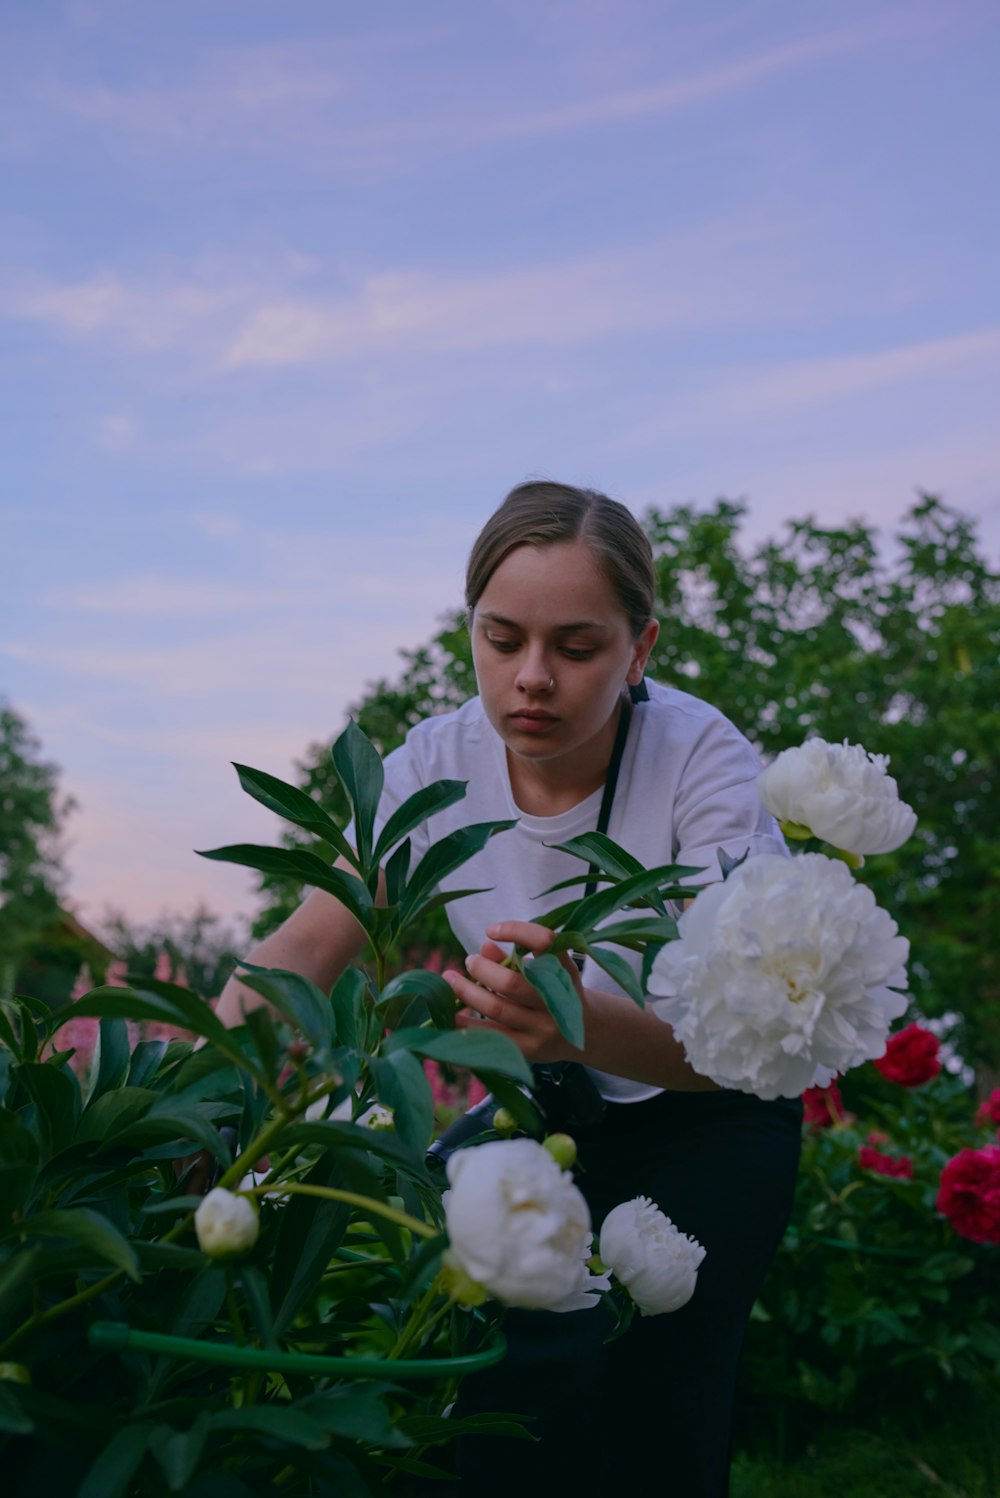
[[116, 1336]]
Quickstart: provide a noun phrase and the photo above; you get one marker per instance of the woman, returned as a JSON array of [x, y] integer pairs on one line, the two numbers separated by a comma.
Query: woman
[[560, 592]]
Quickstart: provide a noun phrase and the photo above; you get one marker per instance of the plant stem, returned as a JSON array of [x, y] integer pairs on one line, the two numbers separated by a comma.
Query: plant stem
[[355, 1198]]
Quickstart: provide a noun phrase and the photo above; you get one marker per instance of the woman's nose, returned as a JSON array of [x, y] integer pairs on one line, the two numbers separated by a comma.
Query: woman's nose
[[534, 675]]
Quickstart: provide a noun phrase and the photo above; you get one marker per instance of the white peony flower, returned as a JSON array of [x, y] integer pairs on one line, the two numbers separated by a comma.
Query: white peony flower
[[518, 1226], [782, 977], [656, 1262], [377, 1117], [226, 1225], [840, 793]]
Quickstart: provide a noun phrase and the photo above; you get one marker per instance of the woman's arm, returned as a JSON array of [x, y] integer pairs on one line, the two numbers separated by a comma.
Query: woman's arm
[[318, 940], [621, 1038]]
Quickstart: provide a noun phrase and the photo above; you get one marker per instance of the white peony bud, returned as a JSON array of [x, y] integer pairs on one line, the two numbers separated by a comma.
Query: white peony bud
[[657, 1264], [518, 1225], [840, 793], [226, 1225], [782, 977], [377, 1117]]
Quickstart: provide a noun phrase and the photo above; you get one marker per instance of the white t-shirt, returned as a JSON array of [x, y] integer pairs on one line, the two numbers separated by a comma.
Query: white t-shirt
[[686, 789]]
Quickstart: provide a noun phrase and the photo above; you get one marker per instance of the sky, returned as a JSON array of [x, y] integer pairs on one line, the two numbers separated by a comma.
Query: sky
[[292, 293]]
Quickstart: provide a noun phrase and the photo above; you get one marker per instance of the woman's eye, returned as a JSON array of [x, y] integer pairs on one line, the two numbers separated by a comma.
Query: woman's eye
[[506, 646], [577, 655]]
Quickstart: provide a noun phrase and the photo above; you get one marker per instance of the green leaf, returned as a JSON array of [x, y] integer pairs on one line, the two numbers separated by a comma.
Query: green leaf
[[55, 1093], [168, 1003], [521, 1107], [396, 869], [590, 912], [601, 851], [17, 1275], [437, 996], [443, 858], [256, 1289], [311, 1231], [424, 803], [658, 928], [111, 1473], [145, 1061], [14, 1419], [295, 806], [114, 1113], [112, 1056], [402, 1086], [349, 1012], [19, 1158], [621, 971], [300, 1001], [360, 769], [352, 1138], [299, 864], [476, 1049], [178, 1452], [357, 1414], [277, 1424], [90, 1230], [548, 977]]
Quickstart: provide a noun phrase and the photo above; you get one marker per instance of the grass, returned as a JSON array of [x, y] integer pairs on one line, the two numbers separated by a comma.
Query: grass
[[945, 1461]]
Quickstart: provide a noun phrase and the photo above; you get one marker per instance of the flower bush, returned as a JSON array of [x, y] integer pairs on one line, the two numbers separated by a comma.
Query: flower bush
[[298, 1327], [877, 1305]]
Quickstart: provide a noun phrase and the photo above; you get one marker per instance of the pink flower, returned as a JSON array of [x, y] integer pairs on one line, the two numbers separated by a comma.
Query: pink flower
[[911, 1057], [970, 1193], [824, 1106], [885, 1165], [989, 1108]]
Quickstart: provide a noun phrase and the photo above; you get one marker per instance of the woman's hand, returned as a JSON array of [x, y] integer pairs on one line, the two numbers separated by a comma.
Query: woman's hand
[[501, 998]]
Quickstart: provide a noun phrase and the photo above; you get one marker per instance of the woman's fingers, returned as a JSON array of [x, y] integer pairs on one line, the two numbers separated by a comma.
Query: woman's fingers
[[528, 934]]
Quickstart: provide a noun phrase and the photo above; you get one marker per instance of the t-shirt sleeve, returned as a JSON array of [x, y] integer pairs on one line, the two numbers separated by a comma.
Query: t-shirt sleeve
[[718, 807]]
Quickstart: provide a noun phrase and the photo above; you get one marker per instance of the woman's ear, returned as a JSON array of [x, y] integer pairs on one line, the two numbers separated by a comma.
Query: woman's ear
[[640, 652]]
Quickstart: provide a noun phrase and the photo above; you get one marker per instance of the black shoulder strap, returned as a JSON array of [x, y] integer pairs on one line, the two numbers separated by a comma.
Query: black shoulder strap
[[611, 782]]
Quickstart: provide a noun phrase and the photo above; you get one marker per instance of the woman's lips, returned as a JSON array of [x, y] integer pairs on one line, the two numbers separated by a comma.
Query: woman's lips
[[528, 722]]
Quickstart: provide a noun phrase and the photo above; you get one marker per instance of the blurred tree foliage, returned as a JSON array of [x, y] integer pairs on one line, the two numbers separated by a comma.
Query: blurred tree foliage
[[32, 813], [823, 632], [199, 949]]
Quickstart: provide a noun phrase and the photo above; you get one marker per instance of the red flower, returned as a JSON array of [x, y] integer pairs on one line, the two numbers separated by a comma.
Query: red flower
[[970, 1193], [885, 1165], [989, 1109], [823, 1106], [911, 1057]]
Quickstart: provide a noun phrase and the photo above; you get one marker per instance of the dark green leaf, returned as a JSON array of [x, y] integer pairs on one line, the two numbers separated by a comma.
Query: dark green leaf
[[360, 769], [111, 1056], [547, 975], [402, 1086], [443, 858], [350, 1015], [601, 851], [18, 1165], [295, 806], [178, 1452], [476, 1049], [438, 999], [311, 1231], [256, 1289], [299, 864], [149, 999], [396, 869], [621, 971], [145, 1061], [416, 809], [117, 1464], [112, 1115], [591, 912], [55, 1093], [90, 1230], [17, 1274], [14, 1419], [517, 1102], [358, 1414], [278, 1424], [656, 928], [300, 1001]]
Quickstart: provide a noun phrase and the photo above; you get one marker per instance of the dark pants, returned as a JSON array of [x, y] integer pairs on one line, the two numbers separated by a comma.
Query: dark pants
[[649, 1414]]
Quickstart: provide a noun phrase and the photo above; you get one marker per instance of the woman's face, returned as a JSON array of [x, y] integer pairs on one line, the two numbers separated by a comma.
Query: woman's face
[[553, 651]]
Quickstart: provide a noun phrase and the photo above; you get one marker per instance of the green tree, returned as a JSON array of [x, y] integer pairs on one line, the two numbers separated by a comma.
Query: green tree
[[821, 632], [201, 948], [32, 814]]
